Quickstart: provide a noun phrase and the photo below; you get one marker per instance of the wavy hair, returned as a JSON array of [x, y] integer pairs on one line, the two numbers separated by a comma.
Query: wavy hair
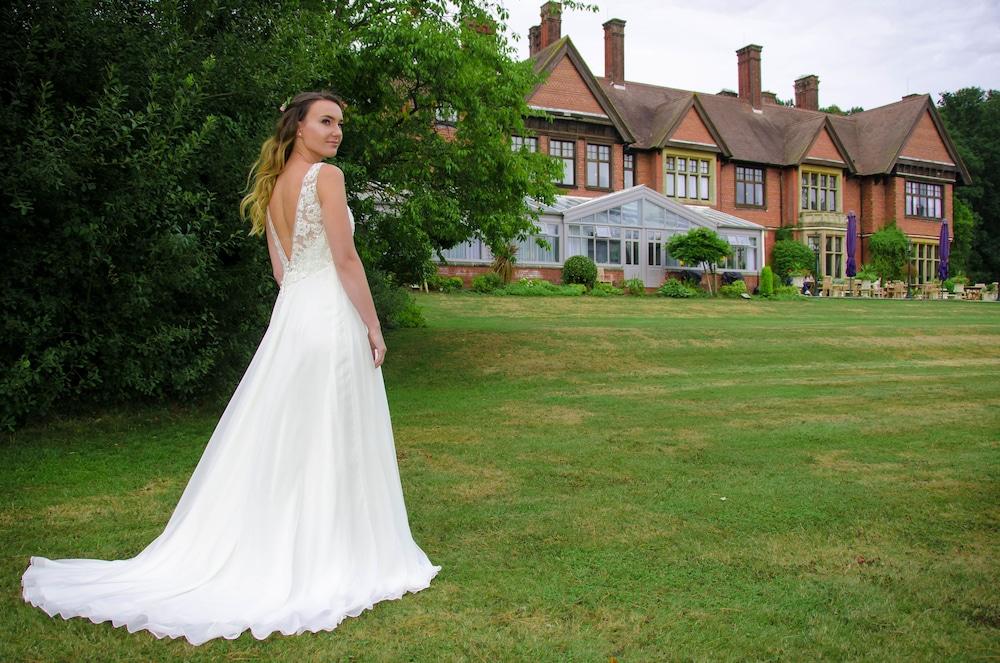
[[274, 154]]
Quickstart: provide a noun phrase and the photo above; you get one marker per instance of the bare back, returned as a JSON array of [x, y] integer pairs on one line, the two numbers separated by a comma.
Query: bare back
[[284, 202]]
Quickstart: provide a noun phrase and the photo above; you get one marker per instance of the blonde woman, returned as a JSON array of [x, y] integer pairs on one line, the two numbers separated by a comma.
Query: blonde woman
[[294, 517]]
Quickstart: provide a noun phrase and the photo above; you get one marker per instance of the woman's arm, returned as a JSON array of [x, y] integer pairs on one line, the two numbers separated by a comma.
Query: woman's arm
[[272, 250], [333, 203]]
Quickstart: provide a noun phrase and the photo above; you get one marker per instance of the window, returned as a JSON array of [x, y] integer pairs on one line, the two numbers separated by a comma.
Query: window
[[819, 192], [632, 246], [834, 256], [923, 199], [749, 186], [925, 258], [744, 255], [688, 177], [528, 143], [564, 150], [472, 250], [528, 250], [602, 244], [655, 249], [599, 166], [628, 168]]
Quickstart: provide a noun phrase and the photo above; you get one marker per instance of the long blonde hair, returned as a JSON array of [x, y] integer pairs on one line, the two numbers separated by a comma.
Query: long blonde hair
[[274, 154]]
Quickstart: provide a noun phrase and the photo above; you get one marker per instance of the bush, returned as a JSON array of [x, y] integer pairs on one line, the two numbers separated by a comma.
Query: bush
[[444, 283], [605, 289], [580, 269], [786, 290], [635, 287], [734, 289], [866, 273], [394, 305], [789, 255], [783, 233], [528, 287], [889, 250], [487, 283], [949, 285], [674, 288], [766, 285]]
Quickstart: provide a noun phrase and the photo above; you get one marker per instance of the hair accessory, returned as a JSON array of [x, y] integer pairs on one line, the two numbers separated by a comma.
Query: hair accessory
[[283, 107]]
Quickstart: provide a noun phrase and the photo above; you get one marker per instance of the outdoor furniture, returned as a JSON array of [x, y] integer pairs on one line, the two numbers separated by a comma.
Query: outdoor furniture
[[855, 288], [827, 290], [837, 289], [931, 290], [959, 292], [974, 292], [866, 289]]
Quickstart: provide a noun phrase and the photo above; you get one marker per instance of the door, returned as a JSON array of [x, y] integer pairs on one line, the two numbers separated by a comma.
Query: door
[[654, 257], [633, 257]]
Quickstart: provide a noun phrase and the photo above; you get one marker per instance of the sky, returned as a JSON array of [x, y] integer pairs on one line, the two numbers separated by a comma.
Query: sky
[[866, 53]]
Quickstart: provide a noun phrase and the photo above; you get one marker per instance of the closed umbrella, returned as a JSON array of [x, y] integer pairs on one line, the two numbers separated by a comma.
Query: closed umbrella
[[944, 250], [852, 244]]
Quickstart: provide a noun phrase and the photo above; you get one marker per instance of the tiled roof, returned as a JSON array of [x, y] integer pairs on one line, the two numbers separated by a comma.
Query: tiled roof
[[870, 141]]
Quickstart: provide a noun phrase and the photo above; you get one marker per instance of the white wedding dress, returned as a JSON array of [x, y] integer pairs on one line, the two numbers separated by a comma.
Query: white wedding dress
[[294, 517]]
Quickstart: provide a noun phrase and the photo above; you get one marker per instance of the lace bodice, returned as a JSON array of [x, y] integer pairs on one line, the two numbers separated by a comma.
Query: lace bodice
[[310, 248]]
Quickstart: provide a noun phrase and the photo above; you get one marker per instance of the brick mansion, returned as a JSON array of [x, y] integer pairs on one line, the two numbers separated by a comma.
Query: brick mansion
[[641, 162]]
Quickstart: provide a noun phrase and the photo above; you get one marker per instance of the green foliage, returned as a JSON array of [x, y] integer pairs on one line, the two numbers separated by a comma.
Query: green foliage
[[834, 109], [443, 283], [965, 223], [487, 283], [866, 273], [394, 304], [783, 233], [528, 287], [889, 252], [700, 246], [972, 117], [635, 287], [786, 291], [605, 289], [580, 269], [504, 259], [766, 285], [789, 255], [676, 289], [949, 285], [126, 134], [734, 289]]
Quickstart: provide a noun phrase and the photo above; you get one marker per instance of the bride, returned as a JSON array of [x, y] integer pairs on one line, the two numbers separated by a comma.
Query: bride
[[294, 517]]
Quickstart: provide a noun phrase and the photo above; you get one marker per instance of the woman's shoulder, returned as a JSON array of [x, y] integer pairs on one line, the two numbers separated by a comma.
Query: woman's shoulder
[[328, 171]]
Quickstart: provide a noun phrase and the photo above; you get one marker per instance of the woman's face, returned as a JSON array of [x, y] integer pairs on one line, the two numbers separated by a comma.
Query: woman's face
[[321, 130]]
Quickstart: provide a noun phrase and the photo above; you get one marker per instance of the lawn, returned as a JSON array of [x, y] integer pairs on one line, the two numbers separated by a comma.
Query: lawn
[[637, 478]]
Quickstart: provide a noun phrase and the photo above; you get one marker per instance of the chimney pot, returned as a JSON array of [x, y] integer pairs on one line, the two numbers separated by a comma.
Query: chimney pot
[[614, 50], [551, 27], [807, 92], [748, 66]]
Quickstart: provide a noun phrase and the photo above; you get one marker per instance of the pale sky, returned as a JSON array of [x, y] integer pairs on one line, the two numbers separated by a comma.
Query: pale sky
[[866, 52]]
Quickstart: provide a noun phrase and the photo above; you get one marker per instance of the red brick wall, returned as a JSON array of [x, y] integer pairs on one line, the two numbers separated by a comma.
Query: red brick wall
[[565, 88], [649, 170], [823, 147], [693, 129], [852, 195], [925, 142], [769, 216]]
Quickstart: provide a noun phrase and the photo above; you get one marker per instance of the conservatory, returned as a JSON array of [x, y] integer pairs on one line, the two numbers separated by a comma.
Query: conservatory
[[627, 231]]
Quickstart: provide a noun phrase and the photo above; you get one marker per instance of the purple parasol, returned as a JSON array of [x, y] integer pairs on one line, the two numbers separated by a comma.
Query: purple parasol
[[943, 251], [852, 244]]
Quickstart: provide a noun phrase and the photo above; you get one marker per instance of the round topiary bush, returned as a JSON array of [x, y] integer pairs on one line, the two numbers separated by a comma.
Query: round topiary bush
[[580, 269]]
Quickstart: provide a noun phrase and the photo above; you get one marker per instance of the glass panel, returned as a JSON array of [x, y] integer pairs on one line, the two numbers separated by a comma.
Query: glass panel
[[615, 253], [759, 197], [704, 167], [692, 186], [693, 165], [704, 187], [591, 173], [681, 165], [681, 186], [604, 176], [602, 251], [615, 215], [603, 231], [630, 213], [741, 193], [670, 163], [670, 184], [602, 217]]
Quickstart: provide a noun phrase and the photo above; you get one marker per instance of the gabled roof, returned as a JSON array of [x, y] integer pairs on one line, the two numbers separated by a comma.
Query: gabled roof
[[545, 60]]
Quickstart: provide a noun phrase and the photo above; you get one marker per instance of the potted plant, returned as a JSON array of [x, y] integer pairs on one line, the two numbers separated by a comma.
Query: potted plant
[[990, 293]]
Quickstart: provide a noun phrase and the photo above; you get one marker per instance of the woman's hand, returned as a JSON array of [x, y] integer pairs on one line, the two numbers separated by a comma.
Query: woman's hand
[[377, 344]]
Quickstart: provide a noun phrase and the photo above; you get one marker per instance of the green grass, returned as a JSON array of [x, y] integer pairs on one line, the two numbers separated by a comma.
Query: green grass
[[644, 479]]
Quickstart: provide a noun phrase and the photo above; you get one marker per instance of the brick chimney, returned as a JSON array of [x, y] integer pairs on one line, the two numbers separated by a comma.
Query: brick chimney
[[807, 92], [614, 50], [551, 27], [748, 64], [534, 39]]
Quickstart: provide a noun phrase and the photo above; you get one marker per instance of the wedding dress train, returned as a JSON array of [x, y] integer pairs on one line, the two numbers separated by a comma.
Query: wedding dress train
[[294, 517]]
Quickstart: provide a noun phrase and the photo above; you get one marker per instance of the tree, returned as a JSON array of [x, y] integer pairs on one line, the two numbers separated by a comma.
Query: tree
[[972, 117], [890, 252], [834, 109], [126, 133], [789, 255], [700, 246], [965, 223]]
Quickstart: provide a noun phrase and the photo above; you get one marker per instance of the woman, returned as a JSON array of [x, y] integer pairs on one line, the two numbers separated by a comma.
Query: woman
[[294, 517]]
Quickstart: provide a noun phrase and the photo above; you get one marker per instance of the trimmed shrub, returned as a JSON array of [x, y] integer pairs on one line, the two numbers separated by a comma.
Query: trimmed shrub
[[528, 287], [889, 250], [766, 285], [734, 289], [580, 269], [487, 283], [674, 288], [786, 290], [443, 283], [635, 287], [789, 255]]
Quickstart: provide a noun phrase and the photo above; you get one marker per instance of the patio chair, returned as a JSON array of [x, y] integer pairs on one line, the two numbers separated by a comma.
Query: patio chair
[[959, 291], [827, 290]]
